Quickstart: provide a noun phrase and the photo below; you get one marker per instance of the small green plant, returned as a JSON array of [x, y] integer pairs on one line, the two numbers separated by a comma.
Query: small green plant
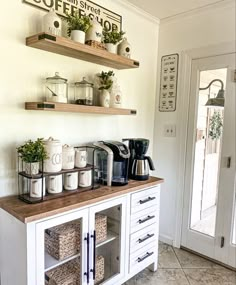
[[32, 151], [77, 22], [112, 37], [106, 79], [215, 126]]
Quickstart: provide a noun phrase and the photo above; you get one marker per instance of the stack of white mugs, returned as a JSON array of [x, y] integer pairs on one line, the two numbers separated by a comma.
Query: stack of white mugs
[[62, 158]]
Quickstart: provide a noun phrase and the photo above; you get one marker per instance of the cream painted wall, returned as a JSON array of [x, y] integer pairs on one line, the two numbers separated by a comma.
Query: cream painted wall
[[204, 28], [23, 69]]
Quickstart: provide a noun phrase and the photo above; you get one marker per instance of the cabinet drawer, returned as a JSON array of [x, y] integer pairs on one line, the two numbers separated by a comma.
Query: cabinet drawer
[[143, 219], [143, 257], [143, 237], [144, 199]]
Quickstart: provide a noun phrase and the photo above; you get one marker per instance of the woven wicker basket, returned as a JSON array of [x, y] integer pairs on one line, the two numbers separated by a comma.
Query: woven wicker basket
[[96, 44], [69, 273], [63, 241]]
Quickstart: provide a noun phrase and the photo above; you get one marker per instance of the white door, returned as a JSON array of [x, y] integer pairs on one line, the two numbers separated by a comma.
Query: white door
[[58, 258], [209, 218], [107, 224]]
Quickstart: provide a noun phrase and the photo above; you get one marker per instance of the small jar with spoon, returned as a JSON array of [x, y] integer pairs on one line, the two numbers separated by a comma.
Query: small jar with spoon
[[56, 89]]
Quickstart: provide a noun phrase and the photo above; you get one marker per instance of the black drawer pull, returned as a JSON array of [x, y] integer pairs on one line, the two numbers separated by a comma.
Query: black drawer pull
[[146, 219], [140, 259], [148, 236], [146, 200]]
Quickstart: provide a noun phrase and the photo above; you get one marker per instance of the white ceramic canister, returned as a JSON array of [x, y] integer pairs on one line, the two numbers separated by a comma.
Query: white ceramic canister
[[54, 184], [85, 178], [94, 33], [68, 157], [37, 187], [54, 152], [71, 181], [81, 158]]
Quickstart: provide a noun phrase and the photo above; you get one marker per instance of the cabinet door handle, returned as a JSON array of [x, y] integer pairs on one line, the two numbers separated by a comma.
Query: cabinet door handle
[[148, 236], [146, 219], [87, 273], [94, 255], [140, 259], [146, 200]]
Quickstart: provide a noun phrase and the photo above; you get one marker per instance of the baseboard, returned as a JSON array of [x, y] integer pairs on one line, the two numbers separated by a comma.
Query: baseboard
[[166, 239]]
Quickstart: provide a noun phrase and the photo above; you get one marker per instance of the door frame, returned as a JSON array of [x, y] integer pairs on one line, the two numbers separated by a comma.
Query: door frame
[[186, 58]]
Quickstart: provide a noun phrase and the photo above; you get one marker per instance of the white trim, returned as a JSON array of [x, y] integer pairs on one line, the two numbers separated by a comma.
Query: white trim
[[139, 11], [204, 9], [166, 239], [182, 119]]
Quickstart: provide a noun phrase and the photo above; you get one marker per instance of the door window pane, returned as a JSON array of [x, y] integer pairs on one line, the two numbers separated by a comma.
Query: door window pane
[[207, 155]]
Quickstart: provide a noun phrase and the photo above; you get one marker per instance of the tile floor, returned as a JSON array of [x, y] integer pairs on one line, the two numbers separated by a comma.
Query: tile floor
[[179, 267]]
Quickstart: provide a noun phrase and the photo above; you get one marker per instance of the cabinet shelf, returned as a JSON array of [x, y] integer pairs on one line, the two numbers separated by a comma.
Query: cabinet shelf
[[51, 262], [110, 237], [73, 108], [67, 47]]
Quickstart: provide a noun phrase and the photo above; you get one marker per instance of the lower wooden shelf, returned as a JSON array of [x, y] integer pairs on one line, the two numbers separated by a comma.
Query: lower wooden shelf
[[73, 108]]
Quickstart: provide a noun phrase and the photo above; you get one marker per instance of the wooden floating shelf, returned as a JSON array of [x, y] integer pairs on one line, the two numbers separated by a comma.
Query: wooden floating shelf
[[73, 108], [67, 47]]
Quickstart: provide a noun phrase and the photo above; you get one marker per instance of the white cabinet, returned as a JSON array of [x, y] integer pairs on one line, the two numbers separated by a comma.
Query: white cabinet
[[116, 239]]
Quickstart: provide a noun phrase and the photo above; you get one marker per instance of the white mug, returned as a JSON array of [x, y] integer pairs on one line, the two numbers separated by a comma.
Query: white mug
[[54, 184], [80, 158], [36, 187], [71, 181], [85, 178]]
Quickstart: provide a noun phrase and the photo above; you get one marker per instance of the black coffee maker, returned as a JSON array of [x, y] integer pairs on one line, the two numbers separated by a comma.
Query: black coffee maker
[[139, 164]]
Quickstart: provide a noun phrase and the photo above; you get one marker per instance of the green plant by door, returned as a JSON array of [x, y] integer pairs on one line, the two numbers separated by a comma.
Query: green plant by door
[[215, 126]]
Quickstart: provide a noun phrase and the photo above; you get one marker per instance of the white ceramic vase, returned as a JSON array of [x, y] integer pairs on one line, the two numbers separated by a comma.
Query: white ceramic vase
[[105, 98], [111, 48], [32, 168], [78, 36]]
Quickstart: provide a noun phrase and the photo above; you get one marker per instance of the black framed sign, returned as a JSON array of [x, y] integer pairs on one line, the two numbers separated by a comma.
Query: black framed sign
[[168, 83], [105, 17]]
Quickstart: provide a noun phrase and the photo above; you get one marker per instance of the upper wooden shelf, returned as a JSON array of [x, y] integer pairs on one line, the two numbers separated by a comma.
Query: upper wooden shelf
[[67, 47], [63, 107]]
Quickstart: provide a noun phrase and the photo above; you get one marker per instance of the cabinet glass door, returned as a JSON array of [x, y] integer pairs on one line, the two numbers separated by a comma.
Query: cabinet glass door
[[107, 222], [62, 250]]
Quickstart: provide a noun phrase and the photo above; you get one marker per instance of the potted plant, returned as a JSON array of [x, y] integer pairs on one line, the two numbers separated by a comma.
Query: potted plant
[[31, 153], [77, 26], [111, 39], [105, 82]]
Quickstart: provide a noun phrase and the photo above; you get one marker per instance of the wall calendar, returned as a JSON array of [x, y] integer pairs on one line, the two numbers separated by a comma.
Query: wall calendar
[[168, 83]]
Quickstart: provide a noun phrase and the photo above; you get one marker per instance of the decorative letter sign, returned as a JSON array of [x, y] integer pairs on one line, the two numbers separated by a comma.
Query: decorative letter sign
[[105, 17], [168, 84]]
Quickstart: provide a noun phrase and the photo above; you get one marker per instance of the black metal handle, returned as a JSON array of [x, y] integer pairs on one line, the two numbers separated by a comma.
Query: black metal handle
[[87, 273], [145, 238], [147, 200], [146, 219], [94, 255], [140, 259]]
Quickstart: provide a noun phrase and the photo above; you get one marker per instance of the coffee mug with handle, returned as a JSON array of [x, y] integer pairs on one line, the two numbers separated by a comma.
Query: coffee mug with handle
[[80, 158], [85, 178], [71, 181], [54, 184]]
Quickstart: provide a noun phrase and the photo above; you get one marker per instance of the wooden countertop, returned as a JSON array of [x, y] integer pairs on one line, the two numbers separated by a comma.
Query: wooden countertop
[[33, 212]]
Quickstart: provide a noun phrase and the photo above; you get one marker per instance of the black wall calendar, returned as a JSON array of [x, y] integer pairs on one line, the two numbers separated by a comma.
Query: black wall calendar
[[168, 83]]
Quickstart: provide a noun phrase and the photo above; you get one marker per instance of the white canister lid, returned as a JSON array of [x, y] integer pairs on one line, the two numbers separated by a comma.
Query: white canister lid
[[67, 148], [52, 141]]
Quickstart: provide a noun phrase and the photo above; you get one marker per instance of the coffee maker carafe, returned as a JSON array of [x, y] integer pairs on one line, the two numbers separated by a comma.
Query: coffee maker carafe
[[139, 163]]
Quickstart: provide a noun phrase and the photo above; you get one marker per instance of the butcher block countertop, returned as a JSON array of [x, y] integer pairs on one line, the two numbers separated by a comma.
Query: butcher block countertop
[[32, 212]]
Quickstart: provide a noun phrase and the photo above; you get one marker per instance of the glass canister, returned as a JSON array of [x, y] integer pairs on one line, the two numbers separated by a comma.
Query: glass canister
[[84, 92], [56, 89]]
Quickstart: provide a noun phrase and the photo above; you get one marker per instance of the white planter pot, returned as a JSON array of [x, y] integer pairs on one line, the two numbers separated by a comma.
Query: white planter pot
[[111, 48], [105, 98], [32, 168], [78, 36], [54, 152]]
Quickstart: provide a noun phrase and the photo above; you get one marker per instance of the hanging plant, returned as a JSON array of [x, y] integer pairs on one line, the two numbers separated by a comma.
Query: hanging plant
[[215, 126]]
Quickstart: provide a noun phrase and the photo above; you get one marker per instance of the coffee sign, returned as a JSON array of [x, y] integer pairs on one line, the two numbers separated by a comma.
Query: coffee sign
[[105, 17]]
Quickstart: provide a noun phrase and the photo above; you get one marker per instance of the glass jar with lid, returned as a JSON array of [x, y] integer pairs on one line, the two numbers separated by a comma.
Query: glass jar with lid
[[84, 92], [56, 89]]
